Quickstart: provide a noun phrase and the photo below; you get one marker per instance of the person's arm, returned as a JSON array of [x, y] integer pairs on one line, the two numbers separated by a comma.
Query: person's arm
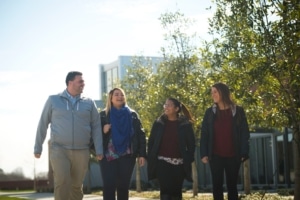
[[191, 142], [245, 136], [151, 139], [204, 138], [96, 131], [141, 140], [42, 128]]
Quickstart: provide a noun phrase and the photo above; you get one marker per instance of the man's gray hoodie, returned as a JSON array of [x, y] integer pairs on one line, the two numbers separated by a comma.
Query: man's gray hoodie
[[72, 127]]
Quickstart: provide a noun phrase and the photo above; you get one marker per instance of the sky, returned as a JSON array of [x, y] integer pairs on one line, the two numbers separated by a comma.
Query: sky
[[42, 40]]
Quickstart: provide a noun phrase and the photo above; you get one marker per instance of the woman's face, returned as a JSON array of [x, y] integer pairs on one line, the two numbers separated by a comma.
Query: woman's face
[[118, 99], [215, 95], [169, 109]]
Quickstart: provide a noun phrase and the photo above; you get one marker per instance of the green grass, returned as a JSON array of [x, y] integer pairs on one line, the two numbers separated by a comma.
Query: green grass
[[9, 198]]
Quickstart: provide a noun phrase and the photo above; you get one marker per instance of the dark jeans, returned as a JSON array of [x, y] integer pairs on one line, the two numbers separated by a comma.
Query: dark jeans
[[231, 166], [116, 176], [170, 179]]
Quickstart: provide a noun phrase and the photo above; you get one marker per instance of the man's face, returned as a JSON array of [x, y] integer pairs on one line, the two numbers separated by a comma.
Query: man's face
[[76, 86]]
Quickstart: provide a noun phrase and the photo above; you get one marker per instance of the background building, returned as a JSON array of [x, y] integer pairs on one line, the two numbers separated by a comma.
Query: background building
[[110, 74]]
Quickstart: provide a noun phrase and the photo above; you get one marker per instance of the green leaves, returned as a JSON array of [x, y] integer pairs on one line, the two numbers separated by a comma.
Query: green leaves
[[256, 55], [255, 50]]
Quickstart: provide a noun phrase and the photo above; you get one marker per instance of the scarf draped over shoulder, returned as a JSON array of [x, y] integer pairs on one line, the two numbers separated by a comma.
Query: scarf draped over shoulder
[[121, 128]]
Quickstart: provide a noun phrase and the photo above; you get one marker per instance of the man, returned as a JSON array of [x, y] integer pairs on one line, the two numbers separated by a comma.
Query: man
[[74, 121]]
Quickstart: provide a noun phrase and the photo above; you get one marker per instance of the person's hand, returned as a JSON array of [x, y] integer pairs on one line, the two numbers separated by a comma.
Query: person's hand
[[204, 159], [244, 157], [106, 128], [99, 157], [141, 161], [37, 155]]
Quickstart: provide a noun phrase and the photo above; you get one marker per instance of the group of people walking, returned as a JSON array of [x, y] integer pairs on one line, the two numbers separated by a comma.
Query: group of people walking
[[119, 139]]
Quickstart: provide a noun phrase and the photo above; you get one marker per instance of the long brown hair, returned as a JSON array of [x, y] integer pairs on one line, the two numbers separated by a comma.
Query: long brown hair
[[224, 93]]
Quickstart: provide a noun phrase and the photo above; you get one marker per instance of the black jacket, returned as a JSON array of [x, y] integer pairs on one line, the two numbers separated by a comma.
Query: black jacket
[[241, 132], [186, 142], [138, 140]]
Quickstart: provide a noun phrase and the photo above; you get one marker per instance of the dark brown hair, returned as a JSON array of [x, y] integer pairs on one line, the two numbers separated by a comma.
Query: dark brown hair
[[71, 76], [182, 108], [224, 93]]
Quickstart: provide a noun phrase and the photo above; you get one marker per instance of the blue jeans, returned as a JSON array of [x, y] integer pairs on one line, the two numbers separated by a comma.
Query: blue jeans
[[231, 166], [116, 176]]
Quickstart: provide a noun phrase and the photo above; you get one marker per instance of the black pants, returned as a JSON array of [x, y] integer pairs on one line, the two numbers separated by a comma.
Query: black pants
[[170, 179], [231, 166], [116, 176]]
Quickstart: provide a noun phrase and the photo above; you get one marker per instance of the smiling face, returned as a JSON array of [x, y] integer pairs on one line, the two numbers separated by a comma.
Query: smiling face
[[118, 99], [75, 87], [216, 96], [170, 110]]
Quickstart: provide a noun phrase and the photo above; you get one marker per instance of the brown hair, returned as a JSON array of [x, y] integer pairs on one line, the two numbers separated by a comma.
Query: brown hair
[[182, 108], [224, 93]]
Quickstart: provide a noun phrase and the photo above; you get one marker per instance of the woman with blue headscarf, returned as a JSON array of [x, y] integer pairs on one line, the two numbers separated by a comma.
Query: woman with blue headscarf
[[123, 141]]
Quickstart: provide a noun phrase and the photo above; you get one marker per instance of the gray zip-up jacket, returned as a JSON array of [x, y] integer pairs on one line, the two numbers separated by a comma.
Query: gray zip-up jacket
[[72, 127]]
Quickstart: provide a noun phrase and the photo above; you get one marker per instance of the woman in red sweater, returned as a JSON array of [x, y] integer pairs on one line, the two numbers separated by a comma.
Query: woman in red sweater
[[171, 148], [224, 141]]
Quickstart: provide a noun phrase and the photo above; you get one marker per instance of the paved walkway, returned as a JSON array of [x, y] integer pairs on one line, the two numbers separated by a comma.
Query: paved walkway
[[49, 196]]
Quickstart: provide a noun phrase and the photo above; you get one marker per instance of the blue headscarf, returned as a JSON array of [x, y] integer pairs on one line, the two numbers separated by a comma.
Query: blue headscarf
[[121, 128]]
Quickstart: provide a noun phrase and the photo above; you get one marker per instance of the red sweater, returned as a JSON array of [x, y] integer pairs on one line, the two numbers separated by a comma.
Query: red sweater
[[169, 146], [223, 138]]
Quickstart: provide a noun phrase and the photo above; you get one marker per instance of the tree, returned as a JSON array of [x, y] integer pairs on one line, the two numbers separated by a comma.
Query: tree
[[142, 89], [136, 84], [182, 74], [256, 49], [178, 75]]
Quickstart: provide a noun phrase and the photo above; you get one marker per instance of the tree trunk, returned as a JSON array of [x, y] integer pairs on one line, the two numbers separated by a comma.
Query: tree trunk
[[296, 149], [247, 182], [138, 176], [195, 179]]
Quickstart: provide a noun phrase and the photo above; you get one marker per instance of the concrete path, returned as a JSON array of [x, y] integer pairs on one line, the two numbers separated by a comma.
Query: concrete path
[[49, 196]]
